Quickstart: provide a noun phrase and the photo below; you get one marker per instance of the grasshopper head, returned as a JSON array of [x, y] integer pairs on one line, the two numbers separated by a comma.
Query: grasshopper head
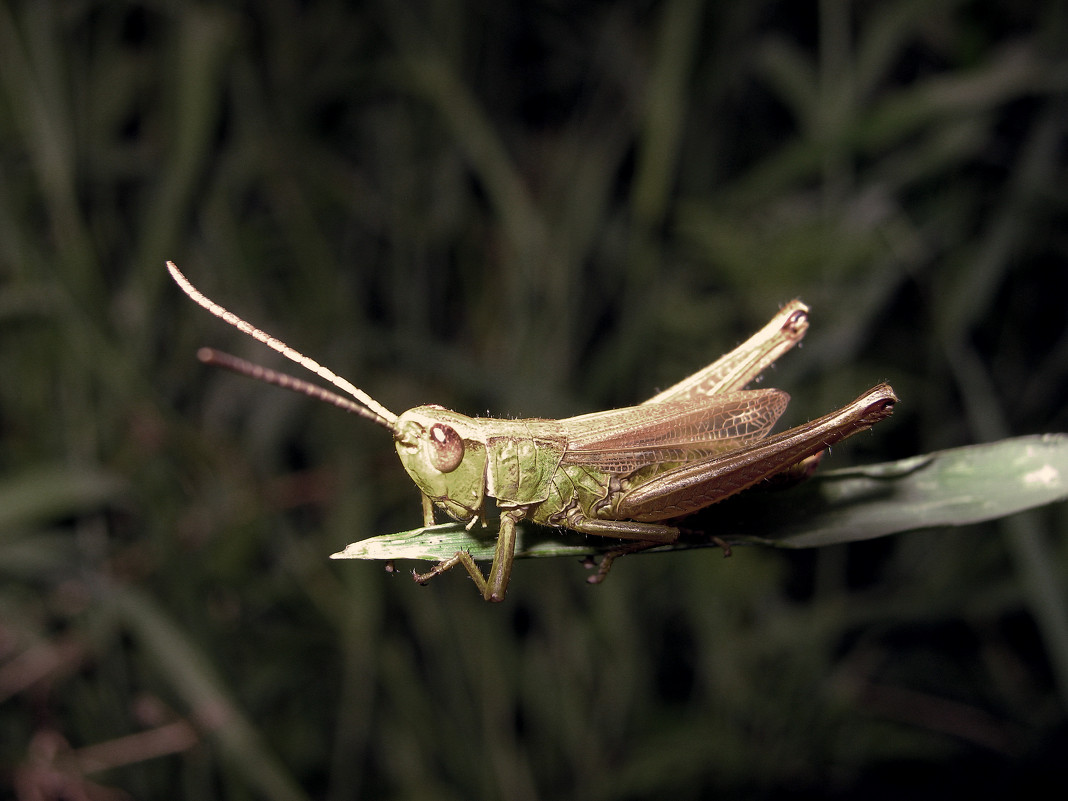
[[445, 455]]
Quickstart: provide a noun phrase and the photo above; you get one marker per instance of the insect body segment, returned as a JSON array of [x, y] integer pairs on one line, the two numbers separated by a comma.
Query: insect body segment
[[625, 473]]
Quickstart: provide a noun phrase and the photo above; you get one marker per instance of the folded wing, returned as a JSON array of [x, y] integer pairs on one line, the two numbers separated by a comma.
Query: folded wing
[[623, 440]]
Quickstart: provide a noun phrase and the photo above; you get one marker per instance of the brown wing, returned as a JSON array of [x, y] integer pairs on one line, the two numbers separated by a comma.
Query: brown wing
[[699, 484], [623, 440]]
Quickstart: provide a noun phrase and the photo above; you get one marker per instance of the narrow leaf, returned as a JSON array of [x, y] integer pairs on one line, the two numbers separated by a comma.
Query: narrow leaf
[[954, 487], [51, 492]]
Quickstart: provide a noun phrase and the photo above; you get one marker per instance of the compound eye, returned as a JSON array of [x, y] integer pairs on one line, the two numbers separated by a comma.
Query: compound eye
[[445, 448]]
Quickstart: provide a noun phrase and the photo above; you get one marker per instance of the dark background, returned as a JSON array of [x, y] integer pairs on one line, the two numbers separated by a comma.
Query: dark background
[[536, 209]]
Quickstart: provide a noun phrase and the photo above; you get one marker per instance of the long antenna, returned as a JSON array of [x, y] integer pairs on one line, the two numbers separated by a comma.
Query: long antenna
[[371, 409]]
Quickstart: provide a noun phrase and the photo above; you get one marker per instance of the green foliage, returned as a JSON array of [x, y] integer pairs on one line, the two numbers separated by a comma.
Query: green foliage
[[537, 210]]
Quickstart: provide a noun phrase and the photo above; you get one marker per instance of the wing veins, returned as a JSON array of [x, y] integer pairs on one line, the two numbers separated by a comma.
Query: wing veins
[[626, 439]]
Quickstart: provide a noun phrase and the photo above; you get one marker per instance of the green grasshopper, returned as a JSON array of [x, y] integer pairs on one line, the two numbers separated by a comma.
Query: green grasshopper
[[620, 474]]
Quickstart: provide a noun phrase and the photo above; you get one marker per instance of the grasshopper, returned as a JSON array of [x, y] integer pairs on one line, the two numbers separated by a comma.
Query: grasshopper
[[622, 474]]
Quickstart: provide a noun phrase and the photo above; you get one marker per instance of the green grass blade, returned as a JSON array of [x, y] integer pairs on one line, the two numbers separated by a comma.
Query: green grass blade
[[954, 487], [51, 492], [191, 673]]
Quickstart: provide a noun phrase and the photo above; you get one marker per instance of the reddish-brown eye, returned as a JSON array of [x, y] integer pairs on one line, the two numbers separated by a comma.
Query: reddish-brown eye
[[445, 448]]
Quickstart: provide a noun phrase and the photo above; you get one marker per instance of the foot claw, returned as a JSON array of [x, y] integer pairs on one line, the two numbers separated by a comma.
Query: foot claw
[[726, 546]]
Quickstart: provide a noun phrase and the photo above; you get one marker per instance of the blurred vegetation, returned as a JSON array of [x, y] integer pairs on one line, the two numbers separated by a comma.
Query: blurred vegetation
[[535, 209]]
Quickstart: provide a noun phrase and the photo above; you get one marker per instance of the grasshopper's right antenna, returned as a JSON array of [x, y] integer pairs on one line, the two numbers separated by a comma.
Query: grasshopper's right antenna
[[370, 408]]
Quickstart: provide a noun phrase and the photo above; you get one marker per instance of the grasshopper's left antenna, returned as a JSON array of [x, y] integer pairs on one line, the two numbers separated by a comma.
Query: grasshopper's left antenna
[[370, 408]]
